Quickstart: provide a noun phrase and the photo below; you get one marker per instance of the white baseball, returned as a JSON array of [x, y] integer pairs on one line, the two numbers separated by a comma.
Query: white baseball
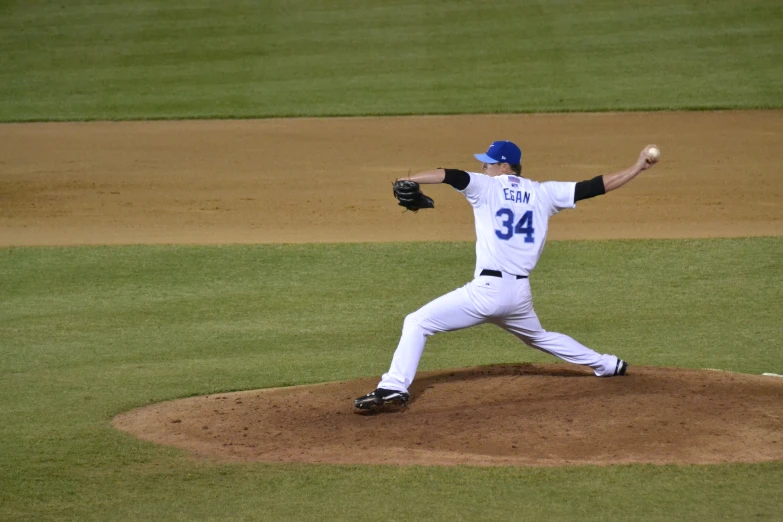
[[655, 153]]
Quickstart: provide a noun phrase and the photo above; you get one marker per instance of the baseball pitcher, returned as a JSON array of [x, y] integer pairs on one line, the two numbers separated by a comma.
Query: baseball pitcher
[[511, 216]]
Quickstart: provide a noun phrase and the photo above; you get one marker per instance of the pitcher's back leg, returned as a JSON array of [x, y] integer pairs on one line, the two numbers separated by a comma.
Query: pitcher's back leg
[[528, 329]]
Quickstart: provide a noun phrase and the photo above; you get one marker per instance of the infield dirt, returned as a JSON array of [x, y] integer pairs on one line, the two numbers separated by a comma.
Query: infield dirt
[[329, 180]]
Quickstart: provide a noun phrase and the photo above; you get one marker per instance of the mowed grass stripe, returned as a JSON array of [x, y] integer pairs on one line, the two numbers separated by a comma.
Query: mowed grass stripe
[[88, 332], [154, 59], [153, 485]]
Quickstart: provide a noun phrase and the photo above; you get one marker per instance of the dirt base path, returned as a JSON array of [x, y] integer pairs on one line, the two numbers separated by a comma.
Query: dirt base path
[[525, 414], [328, 180]]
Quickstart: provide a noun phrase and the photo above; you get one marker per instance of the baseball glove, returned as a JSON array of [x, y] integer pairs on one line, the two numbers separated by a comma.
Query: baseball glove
[[410, 196]]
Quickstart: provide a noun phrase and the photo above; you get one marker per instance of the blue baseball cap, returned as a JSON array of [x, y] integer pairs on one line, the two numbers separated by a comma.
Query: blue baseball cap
[[502, 151]]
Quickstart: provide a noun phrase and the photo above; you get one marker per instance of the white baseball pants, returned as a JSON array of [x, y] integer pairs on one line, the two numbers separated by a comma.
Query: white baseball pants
[[506, 302]]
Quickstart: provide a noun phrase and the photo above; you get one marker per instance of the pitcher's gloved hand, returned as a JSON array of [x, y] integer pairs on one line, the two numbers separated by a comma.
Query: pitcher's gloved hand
[[410, 196]]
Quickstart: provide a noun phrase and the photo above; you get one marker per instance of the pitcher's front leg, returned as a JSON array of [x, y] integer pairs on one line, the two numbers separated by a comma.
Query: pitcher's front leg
[[447, 313]]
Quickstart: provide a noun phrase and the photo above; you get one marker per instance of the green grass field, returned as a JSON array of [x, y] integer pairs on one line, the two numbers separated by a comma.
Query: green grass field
[[93, 331], [90, 59]]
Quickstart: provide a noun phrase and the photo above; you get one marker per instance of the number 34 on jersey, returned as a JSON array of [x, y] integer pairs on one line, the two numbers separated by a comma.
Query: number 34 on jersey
[[509, 226]]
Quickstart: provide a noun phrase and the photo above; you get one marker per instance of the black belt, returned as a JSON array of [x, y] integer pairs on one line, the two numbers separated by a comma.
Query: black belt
[[497, 273]]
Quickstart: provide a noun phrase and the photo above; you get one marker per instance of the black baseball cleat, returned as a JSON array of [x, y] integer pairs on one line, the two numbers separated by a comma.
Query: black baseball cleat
[[380, 398], [621, 367]]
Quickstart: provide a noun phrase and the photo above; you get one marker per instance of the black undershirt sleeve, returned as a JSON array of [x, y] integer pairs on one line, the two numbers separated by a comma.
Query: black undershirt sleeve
[[589, 188], [459, 179]]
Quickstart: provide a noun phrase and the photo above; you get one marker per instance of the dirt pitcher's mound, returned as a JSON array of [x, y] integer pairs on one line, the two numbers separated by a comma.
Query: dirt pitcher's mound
[[520, 414]]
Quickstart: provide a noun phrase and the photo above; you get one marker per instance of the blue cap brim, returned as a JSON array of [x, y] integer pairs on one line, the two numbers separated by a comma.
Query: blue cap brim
[[483, 158]]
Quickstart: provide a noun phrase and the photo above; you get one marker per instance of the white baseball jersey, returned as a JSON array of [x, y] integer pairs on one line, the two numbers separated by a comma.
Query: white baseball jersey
[[512, 215]]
